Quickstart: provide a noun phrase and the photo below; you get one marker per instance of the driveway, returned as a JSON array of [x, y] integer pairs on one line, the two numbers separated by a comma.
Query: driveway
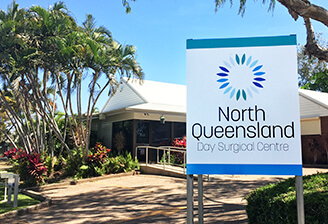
[[146, 199]]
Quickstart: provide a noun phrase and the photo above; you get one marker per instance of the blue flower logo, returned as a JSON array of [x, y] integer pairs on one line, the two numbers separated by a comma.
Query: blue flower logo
[[241, 77]]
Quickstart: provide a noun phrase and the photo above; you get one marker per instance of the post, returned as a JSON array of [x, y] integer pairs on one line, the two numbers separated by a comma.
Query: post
[[300, 199], [16, 183], [9, 192], [146, 155], [184, 162], [6, 189], [200, 200], [164, 159], [169, 161], [190, 199], [136, 153]]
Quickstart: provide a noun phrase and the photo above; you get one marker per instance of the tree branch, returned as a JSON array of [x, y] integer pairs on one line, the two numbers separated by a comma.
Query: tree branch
[[312, 47], [305, 9]]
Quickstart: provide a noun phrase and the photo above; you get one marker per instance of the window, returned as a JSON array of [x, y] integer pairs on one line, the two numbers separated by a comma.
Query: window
[[142, 132], [122, 136], [161, 133], [179, 130]]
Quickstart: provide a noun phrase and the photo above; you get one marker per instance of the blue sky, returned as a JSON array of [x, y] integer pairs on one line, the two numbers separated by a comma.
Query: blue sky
[[159, 28]]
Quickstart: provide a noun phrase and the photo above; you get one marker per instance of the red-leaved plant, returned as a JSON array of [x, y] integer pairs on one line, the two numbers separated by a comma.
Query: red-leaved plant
[[98, 154], [30, 167], [37, 167], [11, 153]]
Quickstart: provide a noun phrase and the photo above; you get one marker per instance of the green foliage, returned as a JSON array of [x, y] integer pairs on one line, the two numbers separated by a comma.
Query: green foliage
[[99, 162], [54, 164], [117, 164], [45, 56], [85, 171], [48, 164], [121, 164], [318, 82], [168, 156], [276, 203], [73, 162]]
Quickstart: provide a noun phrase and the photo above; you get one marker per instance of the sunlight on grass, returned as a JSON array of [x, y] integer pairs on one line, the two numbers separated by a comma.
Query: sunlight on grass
[[23, 201]]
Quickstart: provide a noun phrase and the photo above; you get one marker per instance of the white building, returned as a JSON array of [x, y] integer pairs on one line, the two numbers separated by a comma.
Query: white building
[[154, 113]]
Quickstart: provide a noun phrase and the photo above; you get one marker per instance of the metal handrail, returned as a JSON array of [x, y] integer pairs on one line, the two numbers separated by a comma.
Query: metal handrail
[[165, 149]]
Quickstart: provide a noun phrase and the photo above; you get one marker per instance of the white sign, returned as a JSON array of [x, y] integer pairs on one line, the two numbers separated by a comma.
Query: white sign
[[243, 107]]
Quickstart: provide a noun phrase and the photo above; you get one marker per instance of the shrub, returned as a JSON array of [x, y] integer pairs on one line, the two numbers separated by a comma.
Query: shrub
[[276, 203], [11, 153], [30, 167], [55, 166], [99, 162], [120, 164], [176, 157], [93, 166], [73, 162], [98, 154]]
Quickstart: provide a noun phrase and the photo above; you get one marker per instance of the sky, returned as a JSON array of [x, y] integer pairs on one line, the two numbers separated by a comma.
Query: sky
[[159, 28]]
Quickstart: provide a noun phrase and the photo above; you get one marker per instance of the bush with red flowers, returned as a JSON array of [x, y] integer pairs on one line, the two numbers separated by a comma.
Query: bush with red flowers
[[178, 157], [180, 143]]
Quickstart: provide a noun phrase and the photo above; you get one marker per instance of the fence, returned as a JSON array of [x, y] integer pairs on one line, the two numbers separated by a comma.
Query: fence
[[11, 182], [160, 155]]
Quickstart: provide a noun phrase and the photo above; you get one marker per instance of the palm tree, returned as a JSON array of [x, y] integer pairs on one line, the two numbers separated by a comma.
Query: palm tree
[[42, 49], [105, 57], [27, 47], [12, 51]]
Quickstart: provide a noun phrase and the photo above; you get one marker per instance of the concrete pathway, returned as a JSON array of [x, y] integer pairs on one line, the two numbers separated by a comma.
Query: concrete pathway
[[146, 199]]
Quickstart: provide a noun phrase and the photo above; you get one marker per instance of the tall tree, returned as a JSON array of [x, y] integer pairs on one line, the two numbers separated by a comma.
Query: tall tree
[[104, 57]]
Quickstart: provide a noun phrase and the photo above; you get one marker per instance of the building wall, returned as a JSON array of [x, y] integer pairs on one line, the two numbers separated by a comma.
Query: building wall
[[103, 129], [315, 147]]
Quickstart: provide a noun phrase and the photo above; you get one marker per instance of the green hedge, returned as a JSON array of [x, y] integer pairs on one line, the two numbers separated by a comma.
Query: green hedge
[[276, 203]]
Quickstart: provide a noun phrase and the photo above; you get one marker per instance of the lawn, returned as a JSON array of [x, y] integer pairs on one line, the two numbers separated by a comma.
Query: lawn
[[23, 201]]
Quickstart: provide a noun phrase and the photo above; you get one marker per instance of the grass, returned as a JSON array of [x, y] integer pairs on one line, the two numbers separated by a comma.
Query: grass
[[23, 201]]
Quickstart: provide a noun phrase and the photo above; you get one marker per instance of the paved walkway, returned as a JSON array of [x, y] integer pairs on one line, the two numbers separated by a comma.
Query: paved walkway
[[146, 199]]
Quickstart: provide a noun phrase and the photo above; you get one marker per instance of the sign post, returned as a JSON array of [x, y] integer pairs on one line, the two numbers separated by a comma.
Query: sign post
[[190, 199], [200, 200], [242, 106], [300, 199]]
